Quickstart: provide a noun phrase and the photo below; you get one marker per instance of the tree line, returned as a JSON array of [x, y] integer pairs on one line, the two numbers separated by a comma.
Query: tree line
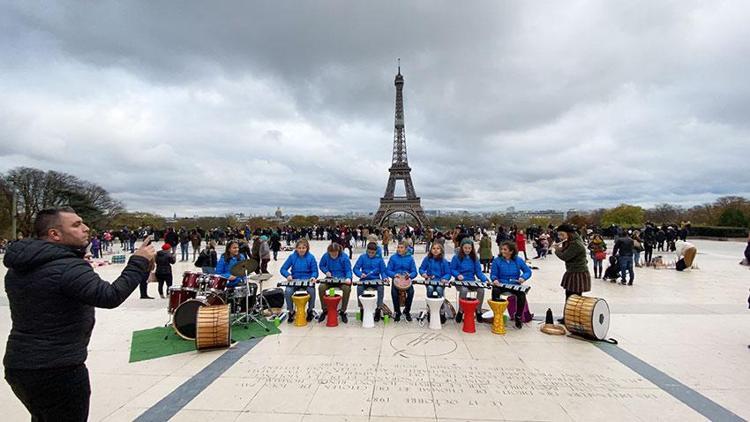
[[38, 189]]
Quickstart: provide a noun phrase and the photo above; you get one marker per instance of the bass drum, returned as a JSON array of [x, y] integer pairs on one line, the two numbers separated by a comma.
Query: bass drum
[[587, 316], [212, 327], [185, 315]]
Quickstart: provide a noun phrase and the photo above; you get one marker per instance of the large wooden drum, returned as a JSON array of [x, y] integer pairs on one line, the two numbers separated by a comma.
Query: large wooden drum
[[587, 316], [212, 327]]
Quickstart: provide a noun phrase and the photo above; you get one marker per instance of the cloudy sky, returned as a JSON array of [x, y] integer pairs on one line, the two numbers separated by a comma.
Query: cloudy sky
[[207, 108]]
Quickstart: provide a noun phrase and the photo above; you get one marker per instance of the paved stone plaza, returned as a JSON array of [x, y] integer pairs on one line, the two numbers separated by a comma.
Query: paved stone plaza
[[679, 334]]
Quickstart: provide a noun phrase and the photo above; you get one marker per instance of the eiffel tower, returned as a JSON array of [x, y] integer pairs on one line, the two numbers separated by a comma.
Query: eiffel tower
[[400, 170]]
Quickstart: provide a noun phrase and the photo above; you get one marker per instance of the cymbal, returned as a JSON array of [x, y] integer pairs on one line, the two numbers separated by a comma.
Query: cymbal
[[261, 277], [242, 268]]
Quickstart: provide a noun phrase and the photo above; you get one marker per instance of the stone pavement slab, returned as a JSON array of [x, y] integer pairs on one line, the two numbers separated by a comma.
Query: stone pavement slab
[[691, 326]]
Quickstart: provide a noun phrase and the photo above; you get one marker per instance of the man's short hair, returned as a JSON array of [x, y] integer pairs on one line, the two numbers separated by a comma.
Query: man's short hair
[[48, 219]]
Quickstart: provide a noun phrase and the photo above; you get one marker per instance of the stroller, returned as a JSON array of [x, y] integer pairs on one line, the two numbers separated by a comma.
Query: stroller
[[612, 273]]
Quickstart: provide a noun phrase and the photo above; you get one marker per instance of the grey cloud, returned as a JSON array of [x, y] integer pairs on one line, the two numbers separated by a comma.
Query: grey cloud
[[244, 106]]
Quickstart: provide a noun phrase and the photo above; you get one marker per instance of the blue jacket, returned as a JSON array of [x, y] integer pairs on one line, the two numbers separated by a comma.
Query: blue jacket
[[471, 270], [398, 264], [223, 269], [340, 267], [373, 267], [435, 268], [507, 271], [303, 267]]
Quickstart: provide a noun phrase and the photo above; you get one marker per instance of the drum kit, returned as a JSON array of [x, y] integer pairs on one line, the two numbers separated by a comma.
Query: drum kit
[[203, 308]]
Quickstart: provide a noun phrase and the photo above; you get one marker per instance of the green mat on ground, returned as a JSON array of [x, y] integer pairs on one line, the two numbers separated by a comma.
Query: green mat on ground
[[163, 341]]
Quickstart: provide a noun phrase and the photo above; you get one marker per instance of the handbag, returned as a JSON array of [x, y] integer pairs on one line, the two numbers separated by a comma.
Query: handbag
[[600, 255]]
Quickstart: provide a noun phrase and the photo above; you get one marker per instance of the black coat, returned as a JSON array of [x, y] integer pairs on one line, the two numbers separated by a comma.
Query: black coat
[[52, 293], [164, 261]]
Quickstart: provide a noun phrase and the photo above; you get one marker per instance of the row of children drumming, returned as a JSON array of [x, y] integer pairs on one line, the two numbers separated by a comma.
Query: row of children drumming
[[507, 268]]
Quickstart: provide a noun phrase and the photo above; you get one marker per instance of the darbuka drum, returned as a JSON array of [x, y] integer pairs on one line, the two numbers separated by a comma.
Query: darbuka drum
[[217, 283], [177, 296], [191, 280], [183, 321], [587, 316], [212, 327], [402, 283]]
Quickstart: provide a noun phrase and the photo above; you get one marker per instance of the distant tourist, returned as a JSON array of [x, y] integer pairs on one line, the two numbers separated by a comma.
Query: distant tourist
[[195, 240], [386, 240], [624, 250], [265, 254], [163, 273], [485, 253], [746, 261], [685, 253], [598, 249], [521, 244], [637, 247]]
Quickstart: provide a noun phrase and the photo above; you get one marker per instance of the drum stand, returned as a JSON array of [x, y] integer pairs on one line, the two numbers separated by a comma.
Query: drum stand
[[257, 309]]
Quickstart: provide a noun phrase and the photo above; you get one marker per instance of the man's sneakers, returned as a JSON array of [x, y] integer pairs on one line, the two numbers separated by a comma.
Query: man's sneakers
[[290, 317], [519, 323], [377, 315], [407, 315], [310, 315], [322, 316], [459, 317], [397, 317], [343, 316], [479, 317]]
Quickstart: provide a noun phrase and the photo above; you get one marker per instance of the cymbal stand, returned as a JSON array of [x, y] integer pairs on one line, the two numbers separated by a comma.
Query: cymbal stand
[[250, 316]]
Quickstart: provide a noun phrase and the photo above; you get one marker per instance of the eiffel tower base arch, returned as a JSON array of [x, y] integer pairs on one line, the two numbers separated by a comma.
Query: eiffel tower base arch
[[407, 206]]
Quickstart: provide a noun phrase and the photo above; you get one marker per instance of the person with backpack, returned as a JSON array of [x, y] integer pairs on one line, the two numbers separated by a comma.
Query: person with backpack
[[598, 249]]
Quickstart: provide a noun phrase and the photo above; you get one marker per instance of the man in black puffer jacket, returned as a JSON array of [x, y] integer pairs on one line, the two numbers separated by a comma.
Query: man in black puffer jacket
[[52, 293]]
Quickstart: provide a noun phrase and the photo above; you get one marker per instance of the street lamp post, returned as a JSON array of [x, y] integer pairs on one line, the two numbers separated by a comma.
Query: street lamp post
[[14, 209]]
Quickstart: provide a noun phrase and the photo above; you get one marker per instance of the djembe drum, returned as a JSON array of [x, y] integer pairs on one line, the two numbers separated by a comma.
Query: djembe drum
[[498, 315]]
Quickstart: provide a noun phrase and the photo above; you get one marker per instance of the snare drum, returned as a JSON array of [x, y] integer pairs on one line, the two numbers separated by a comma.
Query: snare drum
[[177, 296], [242, 295], [217, 283], [191, 280]]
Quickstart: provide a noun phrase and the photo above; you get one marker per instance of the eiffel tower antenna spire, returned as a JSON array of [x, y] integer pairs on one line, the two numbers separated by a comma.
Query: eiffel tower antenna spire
[[400, 170]]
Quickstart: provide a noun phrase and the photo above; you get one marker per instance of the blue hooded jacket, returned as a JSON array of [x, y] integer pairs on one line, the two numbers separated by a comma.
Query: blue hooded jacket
[[340, 267], [374, 267], [436, 269], [224, 268], [471, 270], [398, 264], [303, 267], [507, 271]]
